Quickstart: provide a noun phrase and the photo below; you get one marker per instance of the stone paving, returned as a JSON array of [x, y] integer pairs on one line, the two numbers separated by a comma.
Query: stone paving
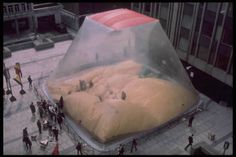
[[169, 141]]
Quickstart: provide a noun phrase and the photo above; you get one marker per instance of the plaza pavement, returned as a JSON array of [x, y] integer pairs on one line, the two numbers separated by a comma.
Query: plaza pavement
[[169, 141]]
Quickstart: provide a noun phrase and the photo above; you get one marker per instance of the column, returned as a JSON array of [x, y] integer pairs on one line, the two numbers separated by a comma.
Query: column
[[17, 27], [173, 22]]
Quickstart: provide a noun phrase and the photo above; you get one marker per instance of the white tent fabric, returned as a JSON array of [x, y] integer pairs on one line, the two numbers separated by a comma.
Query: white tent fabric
[[131, 55]]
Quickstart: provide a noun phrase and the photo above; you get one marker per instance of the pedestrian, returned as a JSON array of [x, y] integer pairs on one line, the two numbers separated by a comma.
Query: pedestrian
[[25, 132], [61, 103], [50, 128], [134, 145], [59, 120], [190, 142], [32, 108], [28, 143], [41, 112], [55, 133], [30, 81], [121, 150], [226, 146], [39, 126], [62, 115], [123, 95], [44, 106], [190, 121], [79, 148]]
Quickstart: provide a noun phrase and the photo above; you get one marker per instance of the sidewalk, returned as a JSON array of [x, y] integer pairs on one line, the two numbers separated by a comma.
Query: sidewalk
[[17, 115]]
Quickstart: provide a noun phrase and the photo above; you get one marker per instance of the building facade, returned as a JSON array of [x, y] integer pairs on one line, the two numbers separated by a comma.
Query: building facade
[[17, 18], [73, 14], [23, 18], [201, 33]]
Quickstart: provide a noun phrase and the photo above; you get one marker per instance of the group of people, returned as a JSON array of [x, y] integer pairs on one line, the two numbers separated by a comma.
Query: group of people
[[133, 146], [49, 116]]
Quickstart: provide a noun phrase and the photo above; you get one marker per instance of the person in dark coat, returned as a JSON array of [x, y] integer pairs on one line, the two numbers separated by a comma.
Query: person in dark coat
[[25, 132], [121, 150], [59, 120], [39, 126], [41, 112], [61, 103], [79, 148], [134, 145], [123, 95], [190, 142], [49, 127], [44, 106], [32, 108], [190, 121], [30, 81], [55, 133], [28, 143]]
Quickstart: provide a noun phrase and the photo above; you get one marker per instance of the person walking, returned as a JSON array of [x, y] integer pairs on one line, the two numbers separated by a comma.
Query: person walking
[[190, 121], [61, 103], [50, 128], [28, 143], [121, 150], [39, 126], [79, 148], [190, 142], [134, 145], [55, 133], [59, 120], [25, 132], [32, 108], [41, 112], [226, 146], [30, 81]]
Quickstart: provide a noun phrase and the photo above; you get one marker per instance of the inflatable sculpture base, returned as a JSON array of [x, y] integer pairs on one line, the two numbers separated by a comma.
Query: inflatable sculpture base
[[117, 100]]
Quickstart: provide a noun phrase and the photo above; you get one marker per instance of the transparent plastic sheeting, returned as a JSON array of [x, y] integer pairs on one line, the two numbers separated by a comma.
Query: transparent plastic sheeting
[[138, 62]]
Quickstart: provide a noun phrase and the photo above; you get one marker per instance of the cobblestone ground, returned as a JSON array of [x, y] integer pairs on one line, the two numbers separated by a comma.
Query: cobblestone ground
[[215, 119]]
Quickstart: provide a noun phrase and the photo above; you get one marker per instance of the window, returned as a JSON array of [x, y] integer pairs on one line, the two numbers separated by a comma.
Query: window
[[164, 13], [147, 7], [10, 9], [17, 8], [157, 9], [203, 47], [187, 21], [28, 7], [207, 28], [184, 33], [183, 44], [212, 6], [188, 9], [194, 46], [227, 36], [4, 9], [23, 7], [163, 23], [230, 10], [223, 56], [166, 5], [136, 5], [210, 16], [213, 51]]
